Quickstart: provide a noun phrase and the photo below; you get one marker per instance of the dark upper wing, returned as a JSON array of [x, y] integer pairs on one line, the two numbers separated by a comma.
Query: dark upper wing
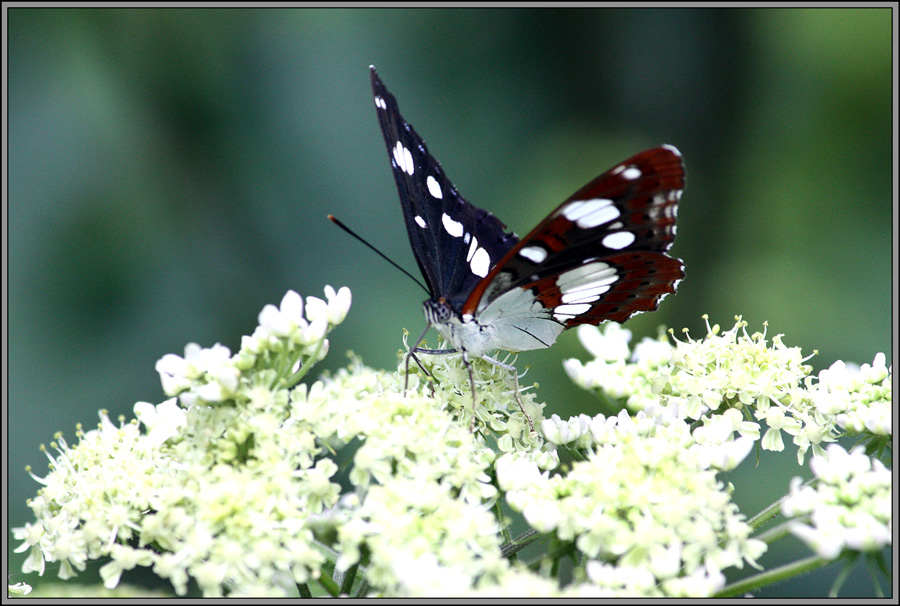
[[601, 254], [455, 243]]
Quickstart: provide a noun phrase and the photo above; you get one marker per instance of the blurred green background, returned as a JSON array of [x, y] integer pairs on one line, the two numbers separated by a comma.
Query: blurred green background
[[170, 172]]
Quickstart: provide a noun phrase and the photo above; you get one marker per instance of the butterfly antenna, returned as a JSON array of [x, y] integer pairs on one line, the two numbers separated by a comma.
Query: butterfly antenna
[[378, 252]]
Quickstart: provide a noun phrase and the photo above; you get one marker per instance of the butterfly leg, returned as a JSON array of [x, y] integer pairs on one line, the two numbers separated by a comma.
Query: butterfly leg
[[411, 354], [465, 359], [515, 376], [430, 352], [468, 365]]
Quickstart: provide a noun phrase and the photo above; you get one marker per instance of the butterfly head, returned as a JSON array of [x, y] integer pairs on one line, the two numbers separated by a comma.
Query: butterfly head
[[438, 311]]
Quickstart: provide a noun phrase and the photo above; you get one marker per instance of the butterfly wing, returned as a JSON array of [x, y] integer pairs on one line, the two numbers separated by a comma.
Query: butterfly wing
[[455, 243], [601, 255]]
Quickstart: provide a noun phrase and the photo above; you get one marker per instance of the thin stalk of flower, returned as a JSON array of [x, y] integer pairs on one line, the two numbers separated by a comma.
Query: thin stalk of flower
[[759, 580], [329, 585], [877, 565], [769, 512], [348, 577], [776, 534], [842, 575], [505, 535], [512, 547], [304, 367]]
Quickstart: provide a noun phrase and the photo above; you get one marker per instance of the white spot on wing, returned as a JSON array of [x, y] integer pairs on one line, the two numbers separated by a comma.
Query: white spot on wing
[[421, 222], [379, 102], [472, 248], [434, 187], [454, 228], [535, 254], [569, 311], [587, 283], [403, 157], [590, 292], [618, 240], [410, 167], [481, 263], [586, 275], [631, 173], [591, 213]]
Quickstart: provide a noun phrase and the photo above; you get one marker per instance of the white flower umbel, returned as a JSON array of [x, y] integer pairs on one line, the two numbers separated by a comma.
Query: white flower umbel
[[848, 508], [421, 521], [643, 500], [860, 397], [497, 410], [247, 482], [701, 380], [611, 374], [236, 488], [217, 489], [723, 387]]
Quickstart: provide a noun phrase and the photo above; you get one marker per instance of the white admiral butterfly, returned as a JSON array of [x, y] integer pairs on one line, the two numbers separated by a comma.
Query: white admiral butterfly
[[599, 256]]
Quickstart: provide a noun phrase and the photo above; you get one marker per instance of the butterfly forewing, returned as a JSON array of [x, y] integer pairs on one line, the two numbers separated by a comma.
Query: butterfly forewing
[[455, 243], [601, 254]]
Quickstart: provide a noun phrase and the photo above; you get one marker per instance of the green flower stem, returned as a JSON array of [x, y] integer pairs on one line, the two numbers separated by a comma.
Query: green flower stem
[[777, 533], [519, 543], [349, 577], [760, 519], [757, 581], [329, 585], [765, 515], [304, 368], [504, 531], [281, 365], [843, 574], [878, 564], [576, 454]]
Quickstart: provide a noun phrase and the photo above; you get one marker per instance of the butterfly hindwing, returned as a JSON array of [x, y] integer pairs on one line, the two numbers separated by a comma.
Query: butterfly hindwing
[[600, 255], [455, 243]]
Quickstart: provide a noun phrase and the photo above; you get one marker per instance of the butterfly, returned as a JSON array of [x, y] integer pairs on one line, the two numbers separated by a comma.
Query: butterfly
[[601, 255]]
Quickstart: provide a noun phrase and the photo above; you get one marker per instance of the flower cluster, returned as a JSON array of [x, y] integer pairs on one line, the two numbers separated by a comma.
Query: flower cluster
[[611, 373], [281, 350], [237, 487], [504, 407], [249, 482], [848, 508], [728, 378], [860, 398], [644, 506], [421, 482], [217, 489]]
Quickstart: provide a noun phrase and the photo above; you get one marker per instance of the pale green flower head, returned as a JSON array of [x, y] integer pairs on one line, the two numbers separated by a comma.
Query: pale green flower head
[[730, 382], [643, 503], [861, 398], [849, 508], [497, 412], [220, 486], [247, 482]]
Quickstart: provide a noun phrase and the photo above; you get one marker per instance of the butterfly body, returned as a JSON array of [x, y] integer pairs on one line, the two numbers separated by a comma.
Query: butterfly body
[[514, 321], [600, 255]]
